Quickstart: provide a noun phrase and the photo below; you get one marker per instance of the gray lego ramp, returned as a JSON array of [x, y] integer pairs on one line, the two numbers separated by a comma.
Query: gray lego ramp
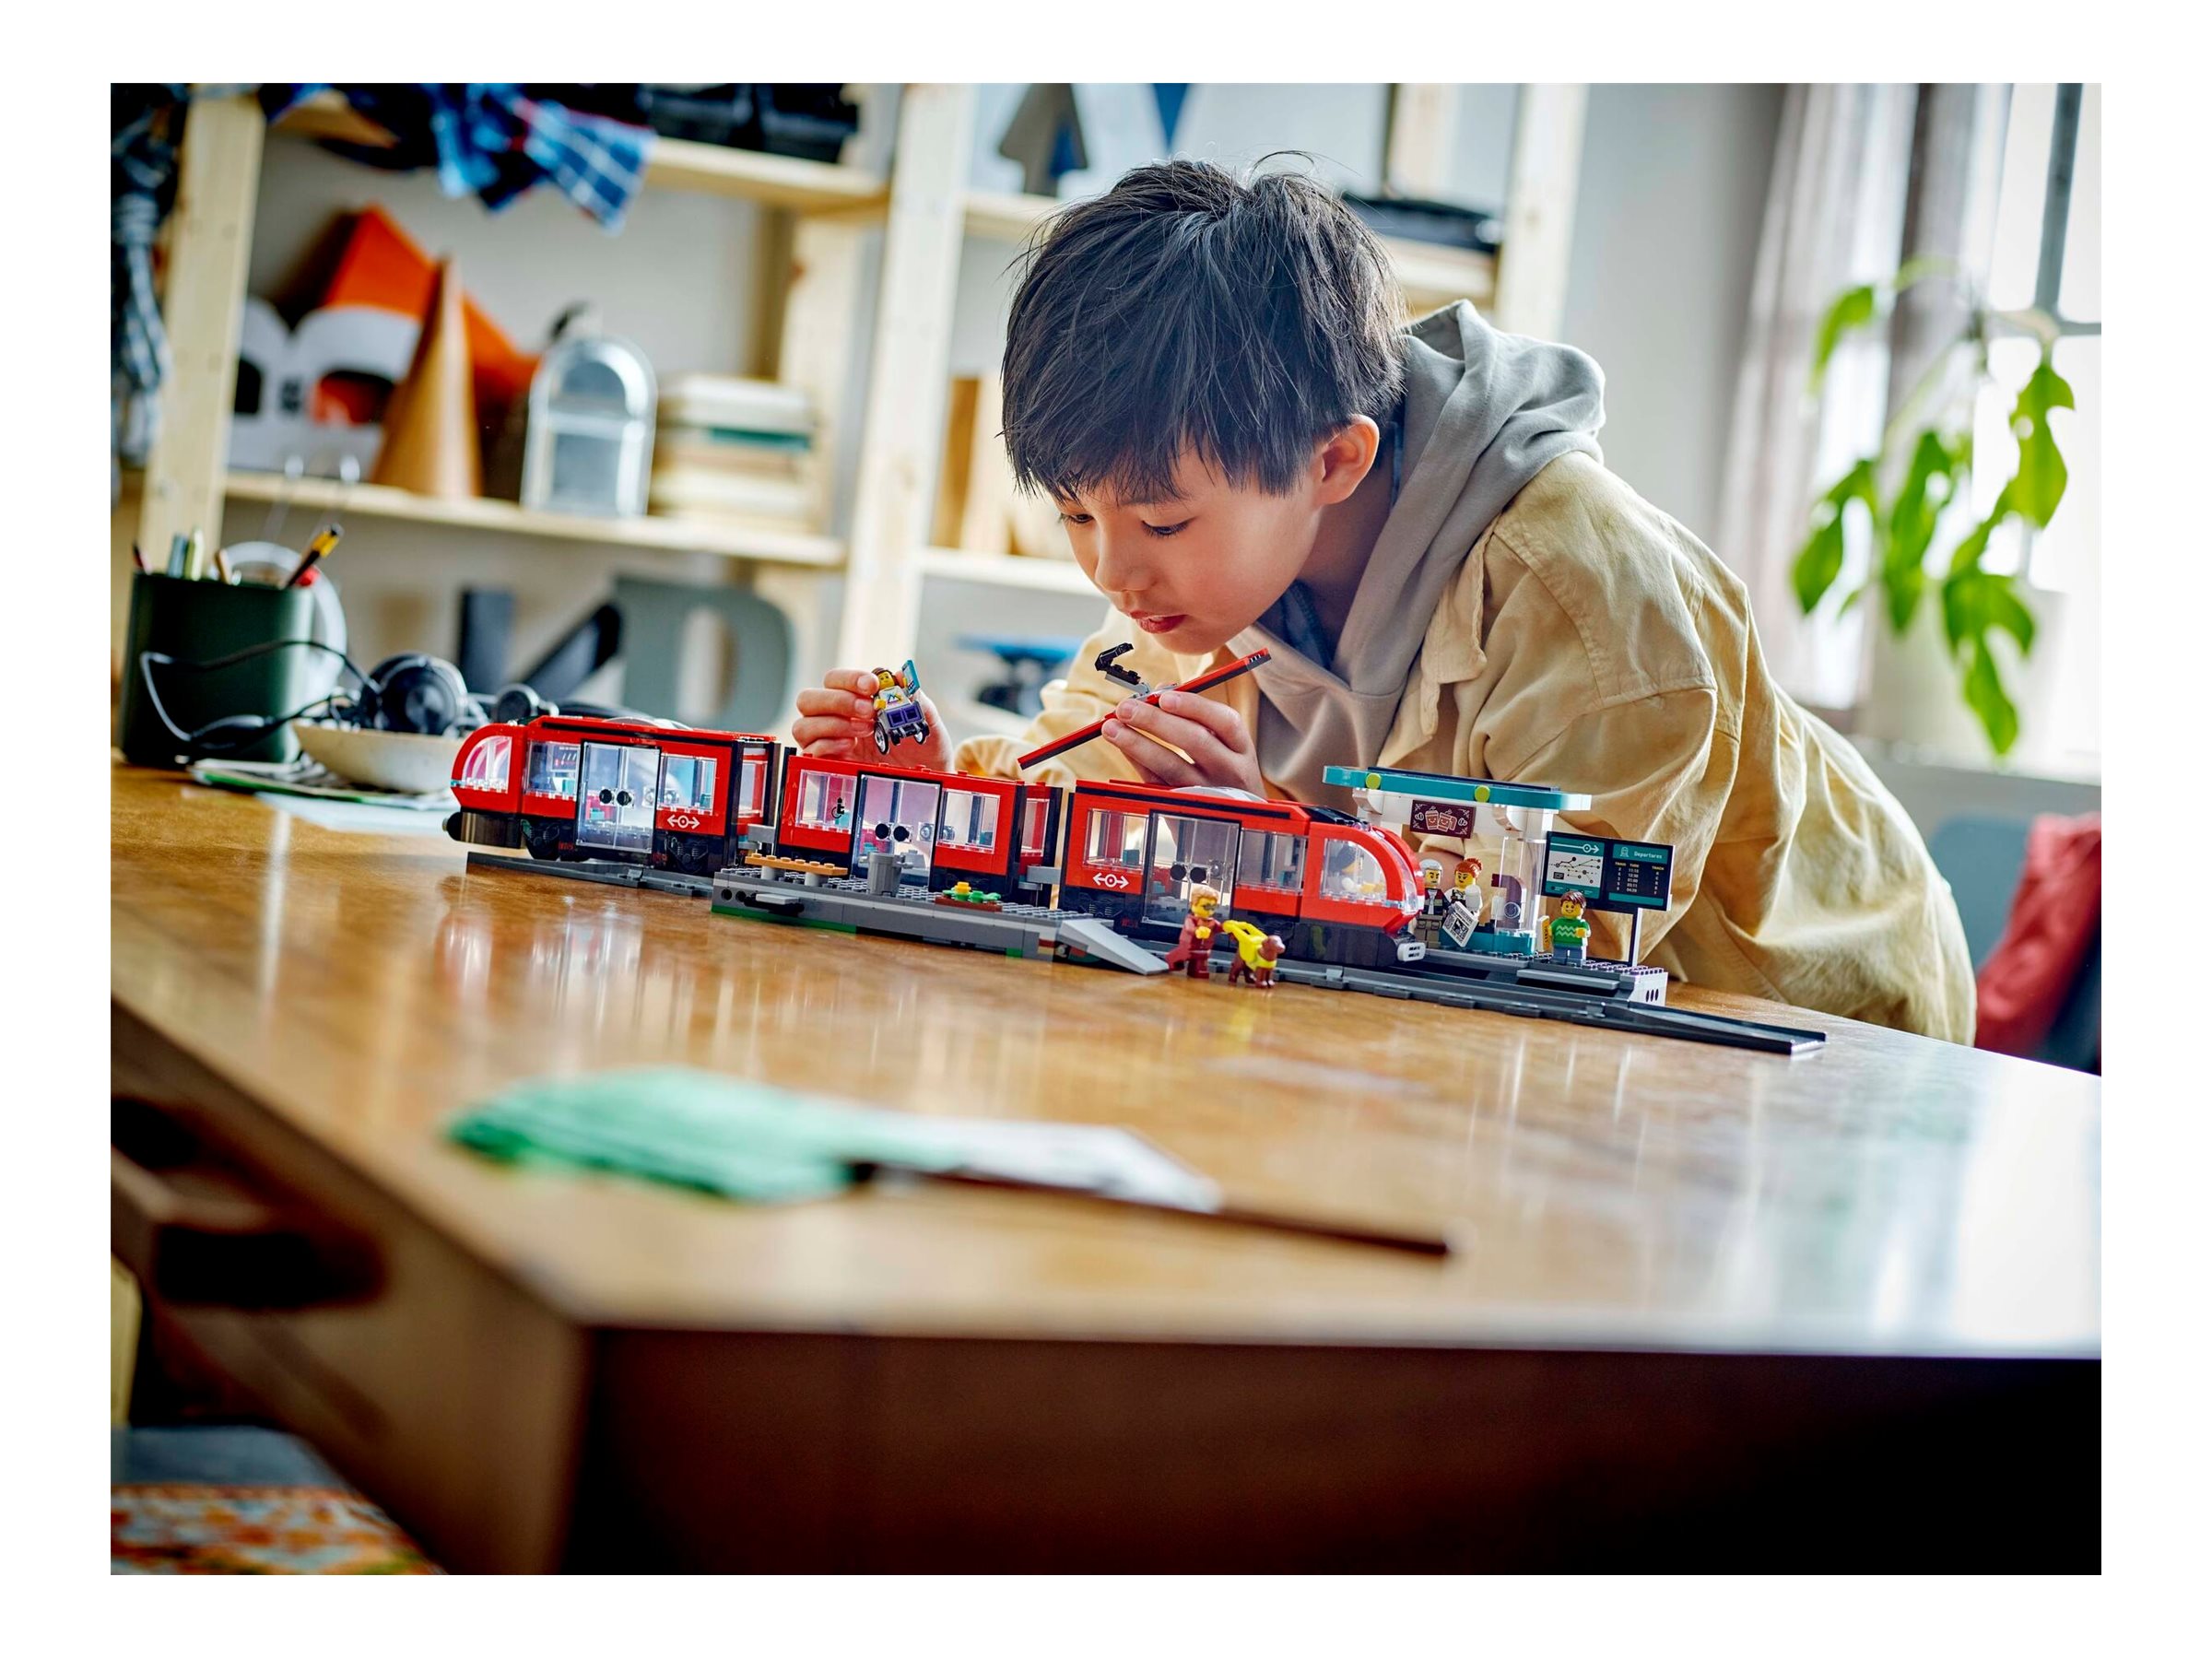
[[1095, 938]]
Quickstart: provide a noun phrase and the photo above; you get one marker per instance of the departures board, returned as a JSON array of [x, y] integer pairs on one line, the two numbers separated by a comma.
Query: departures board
[[1610, 875]]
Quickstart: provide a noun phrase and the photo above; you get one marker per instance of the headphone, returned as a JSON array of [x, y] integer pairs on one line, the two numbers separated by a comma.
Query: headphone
[[412, 693], [519, 704]]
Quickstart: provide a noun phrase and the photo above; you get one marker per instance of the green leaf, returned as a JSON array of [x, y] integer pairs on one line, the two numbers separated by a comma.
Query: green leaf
[[1929, 482], [1985, 696], [1968, 553], [2040, 482], [1854, 307], [1819, 561], [2003, 609]]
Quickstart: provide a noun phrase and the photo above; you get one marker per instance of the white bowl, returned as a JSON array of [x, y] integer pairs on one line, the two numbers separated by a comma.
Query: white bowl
[[406, 761]]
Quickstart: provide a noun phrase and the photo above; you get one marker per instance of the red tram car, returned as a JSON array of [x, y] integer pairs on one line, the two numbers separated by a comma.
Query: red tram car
[[568, 787], [1334, 889]]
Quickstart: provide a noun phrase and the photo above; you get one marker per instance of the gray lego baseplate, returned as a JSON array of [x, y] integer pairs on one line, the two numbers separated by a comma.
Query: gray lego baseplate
[[1023, 930]]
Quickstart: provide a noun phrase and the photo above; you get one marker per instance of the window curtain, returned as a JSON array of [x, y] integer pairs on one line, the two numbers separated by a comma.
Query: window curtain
[[1835, 216]]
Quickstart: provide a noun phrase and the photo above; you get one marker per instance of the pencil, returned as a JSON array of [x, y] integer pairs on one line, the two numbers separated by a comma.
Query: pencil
[[324, 541], [1203, 682]]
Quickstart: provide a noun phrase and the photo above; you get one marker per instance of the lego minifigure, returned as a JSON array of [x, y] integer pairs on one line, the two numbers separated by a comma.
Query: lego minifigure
[[899, 714], [1255, 955], [1433, 899], [1567, 935], [1193, 945]]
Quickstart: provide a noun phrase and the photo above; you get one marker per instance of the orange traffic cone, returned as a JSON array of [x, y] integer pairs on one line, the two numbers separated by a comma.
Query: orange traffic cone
[[430, 424]]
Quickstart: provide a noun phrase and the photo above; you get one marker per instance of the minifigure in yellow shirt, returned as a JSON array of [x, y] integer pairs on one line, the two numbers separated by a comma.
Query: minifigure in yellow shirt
[[1417, 523]]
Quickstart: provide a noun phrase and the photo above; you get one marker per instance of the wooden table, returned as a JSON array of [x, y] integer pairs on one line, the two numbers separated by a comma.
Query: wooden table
[[1710, 1309]]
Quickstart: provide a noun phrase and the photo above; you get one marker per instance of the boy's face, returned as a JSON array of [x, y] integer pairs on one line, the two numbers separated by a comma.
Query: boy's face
[[1197, 570]]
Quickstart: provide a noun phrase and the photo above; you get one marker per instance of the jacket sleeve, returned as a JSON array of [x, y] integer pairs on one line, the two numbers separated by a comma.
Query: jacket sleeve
[[1070, 704]]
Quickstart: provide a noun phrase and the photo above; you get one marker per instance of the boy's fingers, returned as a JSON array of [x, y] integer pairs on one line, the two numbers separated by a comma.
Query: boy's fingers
[[1218, 718], [832, 749], [1158, 763], [822, 729], [1199, 742], [821, 699]]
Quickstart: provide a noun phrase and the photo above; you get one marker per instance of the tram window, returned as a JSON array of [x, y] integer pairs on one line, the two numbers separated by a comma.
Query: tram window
[[750, 771], [825, 800], [553, 770], [969, 819], [487, 767], [1034, 815], [1276, 863], [1116, 838], [1348, 871], [687, 782]]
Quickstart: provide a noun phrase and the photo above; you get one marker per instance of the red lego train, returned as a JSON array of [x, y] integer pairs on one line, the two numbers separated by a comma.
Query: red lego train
[[1336, 889]]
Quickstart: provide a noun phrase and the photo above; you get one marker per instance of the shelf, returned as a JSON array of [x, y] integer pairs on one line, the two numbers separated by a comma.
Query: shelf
[[1006, 569], [670, 164], [1431, 275], [764, 544]]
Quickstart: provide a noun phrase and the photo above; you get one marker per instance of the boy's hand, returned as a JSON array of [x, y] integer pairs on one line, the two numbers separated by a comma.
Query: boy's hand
[[1212, 734], [838, 719]]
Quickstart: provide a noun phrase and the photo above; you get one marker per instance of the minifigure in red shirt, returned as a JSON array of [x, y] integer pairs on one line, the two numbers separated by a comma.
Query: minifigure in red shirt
[[1193, 947]]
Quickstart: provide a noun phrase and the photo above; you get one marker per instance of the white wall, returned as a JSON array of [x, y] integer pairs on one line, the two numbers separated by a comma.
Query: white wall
[[1666, 224]]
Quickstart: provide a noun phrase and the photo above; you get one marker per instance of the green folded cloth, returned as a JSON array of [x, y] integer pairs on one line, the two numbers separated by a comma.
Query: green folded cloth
[[724, 1135]]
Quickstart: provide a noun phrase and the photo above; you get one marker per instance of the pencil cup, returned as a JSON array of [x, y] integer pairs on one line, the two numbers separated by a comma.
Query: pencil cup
[[197, 622]]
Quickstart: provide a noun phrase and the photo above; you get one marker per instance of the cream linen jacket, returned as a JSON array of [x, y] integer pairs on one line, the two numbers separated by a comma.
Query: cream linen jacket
[[1593, 644]]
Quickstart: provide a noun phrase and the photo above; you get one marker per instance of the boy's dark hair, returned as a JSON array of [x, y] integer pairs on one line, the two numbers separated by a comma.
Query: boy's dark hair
[[1245, 318]]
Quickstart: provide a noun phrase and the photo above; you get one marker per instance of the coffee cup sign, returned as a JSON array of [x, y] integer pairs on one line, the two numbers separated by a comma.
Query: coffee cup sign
[[1441, 818]]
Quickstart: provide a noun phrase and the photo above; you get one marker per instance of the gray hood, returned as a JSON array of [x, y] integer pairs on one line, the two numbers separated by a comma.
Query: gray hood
[[1484, 413]]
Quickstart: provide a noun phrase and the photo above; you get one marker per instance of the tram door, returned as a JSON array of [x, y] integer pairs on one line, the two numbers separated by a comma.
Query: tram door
[[1185, 852], [896, 815], [615, 806]]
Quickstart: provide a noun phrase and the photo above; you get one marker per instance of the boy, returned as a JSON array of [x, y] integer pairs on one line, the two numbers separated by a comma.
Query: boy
[[1211, 379]]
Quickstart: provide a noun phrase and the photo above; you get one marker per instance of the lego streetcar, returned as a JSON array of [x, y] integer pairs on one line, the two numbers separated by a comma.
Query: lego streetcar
[[573, 788]]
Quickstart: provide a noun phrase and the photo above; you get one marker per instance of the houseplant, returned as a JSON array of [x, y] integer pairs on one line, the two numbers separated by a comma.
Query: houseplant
[[1923, 462]]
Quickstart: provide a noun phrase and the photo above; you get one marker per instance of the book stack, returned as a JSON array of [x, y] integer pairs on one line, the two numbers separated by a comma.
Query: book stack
[[730, 449]]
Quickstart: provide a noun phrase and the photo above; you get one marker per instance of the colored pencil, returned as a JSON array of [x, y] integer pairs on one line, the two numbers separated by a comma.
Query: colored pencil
[[1203, 682]]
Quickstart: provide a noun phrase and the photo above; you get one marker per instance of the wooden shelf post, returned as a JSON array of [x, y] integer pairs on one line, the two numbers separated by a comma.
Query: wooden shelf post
[[211, 238], [1539, 212], [907, 375]]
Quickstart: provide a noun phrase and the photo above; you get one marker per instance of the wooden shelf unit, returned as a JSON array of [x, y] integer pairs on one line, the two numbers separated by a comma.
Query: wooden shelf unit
[[767, 543], [783, 181]]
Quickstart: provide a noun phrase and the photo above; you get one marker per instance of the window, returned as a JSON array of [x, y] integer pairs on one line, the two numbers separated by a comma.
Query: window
[[487, 767], [2047, 253], [1276, 863], [1115, 838], [1035, 815], [1350, 873], [825, 800], [552, 769], [751, 771], [969, 819], [687, 782]]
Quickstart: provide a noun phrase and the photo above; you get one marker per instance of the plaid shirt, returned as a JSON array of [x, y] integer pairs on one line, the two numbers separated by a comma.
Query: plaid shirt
[[488, 140]]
